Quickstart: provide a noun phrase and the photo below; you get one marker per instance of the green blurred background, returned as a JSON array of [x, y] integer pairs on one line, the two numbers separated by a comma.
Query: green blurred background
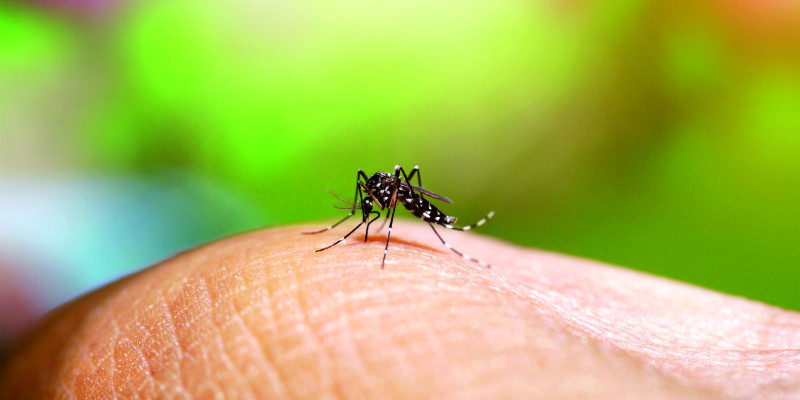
[[660, 135]]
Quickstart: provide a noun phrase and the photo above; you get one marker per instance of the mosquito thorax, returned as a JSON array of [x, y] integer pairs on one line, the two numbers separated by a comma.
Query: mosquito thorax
[[380, 179]]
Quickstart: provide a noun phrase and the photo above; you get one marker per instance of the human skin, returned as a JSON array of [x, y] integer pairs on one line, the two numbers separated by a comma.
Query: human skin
[[261, 315]]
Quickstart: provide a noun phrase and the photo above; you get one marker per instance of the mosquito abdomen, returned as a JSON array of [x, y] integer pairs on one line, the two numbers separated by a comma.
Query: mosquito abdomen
[[424, 210]]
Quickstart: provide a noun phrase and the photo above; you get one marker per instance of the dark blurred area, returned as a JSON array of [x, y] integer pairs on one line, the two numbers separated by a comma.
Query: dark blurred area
[[662, 136]]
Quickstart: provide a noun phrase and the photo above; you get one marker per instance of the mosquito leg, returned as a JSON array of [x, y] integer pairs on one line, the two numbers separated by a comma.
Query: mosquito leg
[[343, 238], [393, 205], [416, 172], [388, 235], [358, 194], [330, 227], [466, 256], [468, 227], [409, 177], [366, 234], [397, 181]]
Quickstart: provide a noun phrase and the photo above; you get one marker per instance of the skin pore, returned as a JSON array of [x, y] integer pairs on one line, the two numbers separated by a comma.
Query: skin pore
[[261, 315]]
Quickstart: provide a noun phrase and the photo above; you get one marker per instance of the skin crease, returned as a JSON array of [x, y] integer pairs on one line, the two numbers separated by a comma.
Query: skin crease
[[261, 315]]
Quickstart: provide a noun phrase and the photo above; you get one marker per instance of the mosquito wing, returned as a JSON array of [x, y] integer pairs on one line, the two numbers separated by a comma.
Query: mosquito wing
[[429, 193]]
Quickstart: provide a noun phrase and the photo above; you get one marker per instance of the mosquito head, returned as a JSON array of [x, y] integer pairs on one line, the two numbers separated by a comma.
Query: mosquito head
[[366, 204], [450, 220]]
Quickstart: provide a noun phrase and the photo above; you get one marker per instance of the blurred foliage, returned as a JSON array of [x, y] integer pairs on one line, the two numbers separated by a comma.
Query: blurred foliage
[[657, 135]]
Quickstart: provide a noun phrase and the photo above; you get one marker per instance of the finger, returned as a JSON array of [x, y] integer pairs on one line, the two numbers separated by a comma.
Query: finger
[[263, 316], [17, 307]]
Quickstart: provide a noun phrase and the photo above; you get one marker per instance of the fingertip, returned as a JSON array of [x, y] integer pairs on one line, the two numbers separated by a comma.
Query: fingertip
[[264, 316]]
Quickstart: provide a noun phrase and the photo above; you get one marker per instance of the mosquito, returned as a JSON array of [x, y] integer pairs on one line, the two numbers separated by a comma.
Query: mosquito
[[386, 191]]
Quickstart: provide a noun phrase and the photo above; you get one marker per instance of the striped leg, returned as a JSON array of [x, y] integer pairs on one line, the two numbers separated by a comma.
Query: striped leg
[[409, 177], [466, 256], [388, 235], [353, 211], [342, 239], [475, 225], [366, 234]]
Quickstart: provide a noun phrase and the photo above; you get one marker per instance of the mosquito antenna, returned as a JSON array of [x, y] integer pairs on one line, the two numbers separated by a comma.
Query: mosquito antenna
[[358, 207], [348, 202]]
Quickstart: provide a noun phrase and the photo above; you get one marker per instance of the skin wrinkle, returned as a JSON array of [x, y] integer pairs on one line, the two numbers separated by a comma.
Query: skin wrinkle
[[274, 336], [235, 319], [126, 341], [678, 362], [185, 328], [426, 330], [362, 302], [467, 290], [145, 337], [441, 322], [271, 326], [673, 360], [168, 321], [234, 262], [431, 347], [328, 320], [227, 351], [296, 333], [146, 387], [69, 383], [64, 320], [112, 362], [65, 391], [84, 357], [596, 331], [263, 358], [353, 354], [148, 379], [210, 303], [324, 355], [135, 334], [94, 385]]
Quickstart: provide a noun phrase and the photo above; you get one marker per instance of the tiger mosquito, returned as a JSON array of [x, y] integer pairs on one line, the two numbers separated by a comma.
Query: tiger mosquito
[[386, 191]]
